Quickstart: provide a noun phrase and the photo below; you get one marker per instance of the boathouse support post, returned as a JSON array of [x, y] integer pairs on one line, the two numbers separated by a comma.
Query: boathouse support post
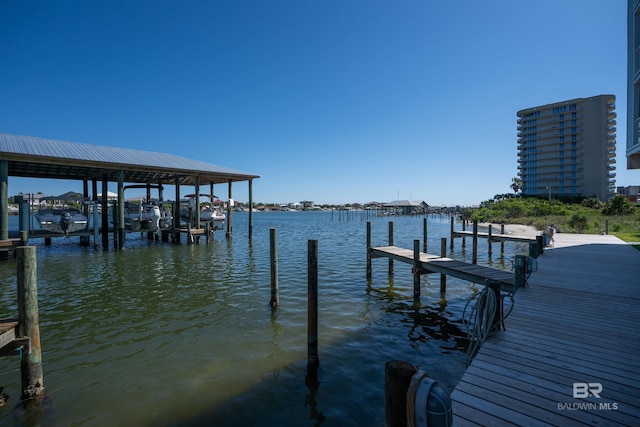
[[397, 378], [273, 251], [451, 243], [4, 199], [197, 218], [416, 269], [369, 250], [84, 240], [489, 242], [443, 277], [120, 243], [229, 210], [96, 228], [176, 213], [29, 323], [250, 209], [313, 361], [474, 256], [502, 242], [24, 212], [105, 212], [390, 244], [424, 235]]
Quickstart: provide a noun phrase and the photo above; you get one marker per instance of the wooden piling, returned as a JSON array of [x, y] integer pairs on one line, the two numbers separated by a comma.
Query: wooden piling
[[489, 242], [312, 305], [451, 233], [606, 226], [540, 243], [390, 244], [105, 213], [502, 242], [416, 269], [443, 277], [464, 228], [29, 323], [424, 235], [368, 249], [474, 256], [397, 378], [275, 297]]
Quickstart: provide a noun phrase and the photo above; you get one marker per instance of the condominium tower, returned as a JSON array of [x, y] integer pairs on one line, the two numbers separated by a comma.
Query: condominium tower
[[633, 85], [568, 148]]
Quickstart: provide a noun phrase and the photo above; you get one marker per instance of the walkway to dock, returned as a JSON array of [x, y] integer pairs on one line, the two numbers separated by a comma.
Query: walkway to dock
[[570, 352]]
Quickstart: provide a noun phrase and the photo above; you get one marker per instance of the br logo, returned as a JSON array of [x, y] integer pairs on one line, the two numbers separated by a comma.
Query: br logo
[[584, 390]]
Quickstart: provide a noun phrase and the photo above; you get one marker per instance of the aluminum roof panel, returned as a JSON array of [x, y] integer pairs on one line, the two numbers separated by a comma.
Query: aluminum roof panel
[[29, 156]]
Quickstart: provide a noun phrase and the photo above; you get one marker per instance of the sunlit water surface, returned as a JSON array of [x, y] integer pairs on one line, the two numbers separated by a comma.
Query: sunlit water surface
[[160, 334]]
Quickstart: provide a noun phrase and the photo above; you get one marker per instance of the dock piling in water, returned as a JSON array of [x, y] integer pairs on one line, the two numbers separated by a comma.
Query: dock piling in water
[[474, 256], [443, 277], [29, 323], [390, 244], [273, 245], [369, 250], [416, 269], [312, 308], [397, 378]]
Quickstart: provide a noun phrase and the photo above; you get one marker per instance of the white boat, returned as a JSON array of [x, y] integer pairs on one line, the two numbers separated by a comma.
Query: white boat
[[60, 214], [145, 216], [209, 213], [212, 215]]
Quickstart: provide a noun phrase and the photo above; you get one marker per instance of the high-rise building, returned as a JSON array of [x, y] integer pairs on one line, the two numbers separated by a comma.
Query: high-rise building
[[633, 85], [568, 148]]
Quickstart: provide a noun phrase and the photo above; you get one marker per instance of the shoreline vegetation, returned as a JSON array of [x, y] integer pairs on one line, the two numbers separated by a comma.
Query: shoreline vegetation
[[590, 216]]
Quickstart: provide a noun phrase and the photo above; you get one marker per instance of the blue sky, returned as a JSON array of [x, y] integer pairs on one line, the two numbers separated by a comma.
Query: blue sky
[[334, 101]]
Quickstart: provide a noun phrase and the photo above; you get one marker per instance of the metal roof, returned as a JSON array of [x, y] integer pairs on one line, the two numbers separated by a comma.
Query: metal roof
[[49, 158]]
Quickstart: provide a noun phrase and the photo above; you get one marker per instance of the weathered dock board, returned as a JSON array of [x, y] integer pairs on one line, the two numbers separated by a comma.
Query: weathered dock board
[[436, 264], [7, 331], [572, 333]]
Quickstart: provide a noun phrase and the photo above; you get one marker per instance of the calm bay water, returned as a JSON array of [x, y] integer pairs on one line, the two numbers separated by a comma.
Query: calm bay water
[[183, 335]]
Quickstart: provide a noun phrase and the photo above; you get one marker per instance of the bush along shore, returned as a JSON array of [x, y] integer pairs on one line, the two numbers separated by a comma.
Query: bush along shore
[[590, 216]]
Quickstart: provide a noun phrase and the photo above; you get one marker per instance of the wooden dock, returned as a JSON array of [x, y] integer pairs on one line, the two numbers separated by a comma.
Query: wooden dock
[[573, 332], [495, 237], [429, 263]]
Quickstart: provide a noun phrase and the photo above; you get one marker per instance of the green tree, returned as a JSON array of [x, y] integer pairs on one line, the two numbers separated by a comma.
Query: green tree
[[618, 205], [516, 185]]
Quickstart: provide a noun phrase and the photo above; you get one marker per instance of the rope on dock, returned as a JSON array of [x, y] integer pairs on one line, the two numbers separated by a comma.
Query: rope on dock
[[480, 320]]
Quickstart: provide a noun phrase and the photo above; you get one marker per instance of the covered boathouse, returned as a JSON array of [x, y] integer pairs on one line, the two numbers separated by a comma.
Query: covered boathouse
[[32, 157]]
